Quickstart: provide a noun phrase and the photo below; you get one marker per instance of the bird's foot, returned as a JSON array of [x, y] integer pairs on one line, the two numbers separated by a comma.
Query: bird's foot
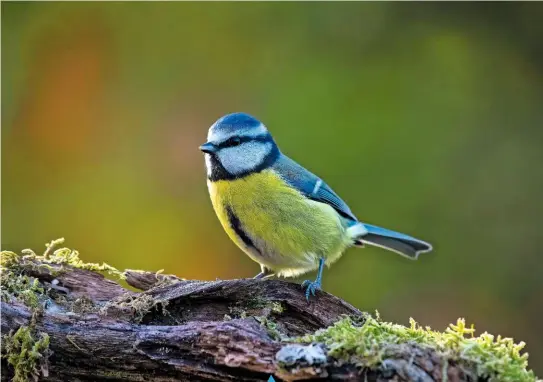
[[312, 287]]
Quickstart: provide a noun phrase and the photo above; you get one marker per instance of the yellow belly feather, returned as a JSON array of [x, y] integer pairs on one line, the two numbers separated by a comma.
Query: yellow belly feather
[[290, 231]]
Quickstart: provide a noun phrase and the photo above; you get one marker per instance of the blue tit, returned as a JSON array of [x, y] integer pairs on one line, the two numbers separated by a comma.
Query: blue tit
[[281, 215]]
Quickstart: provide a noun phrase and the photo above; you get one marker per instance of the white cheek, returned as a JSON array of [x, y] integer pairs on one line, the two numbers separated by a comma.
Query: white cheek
[[245, 157], [208, 163]]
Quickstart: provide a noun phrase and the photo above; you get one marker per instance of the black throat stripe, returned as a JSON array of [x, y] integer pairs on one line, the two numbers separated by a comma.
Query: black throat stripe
[[236, 226]]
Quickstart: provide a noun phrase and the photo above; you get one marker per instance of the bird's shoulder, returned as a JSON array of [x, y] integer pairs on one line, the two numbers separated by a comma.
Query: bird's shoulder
[[310, 185]]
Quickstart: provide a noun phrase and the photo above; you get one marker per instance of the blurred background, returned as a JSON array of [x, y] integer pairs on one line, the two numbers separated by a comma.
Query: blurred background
[[425, 117]]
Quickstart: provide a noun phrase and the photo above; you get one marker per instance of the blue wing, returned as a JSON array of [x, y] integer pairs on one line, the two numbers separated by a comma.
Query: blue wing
[[314, 188], [311, 185]]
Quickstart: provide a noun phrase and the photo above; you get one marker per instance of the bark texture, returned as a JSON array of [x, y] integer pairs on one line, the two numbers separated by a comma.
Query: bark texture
[[178, 330]]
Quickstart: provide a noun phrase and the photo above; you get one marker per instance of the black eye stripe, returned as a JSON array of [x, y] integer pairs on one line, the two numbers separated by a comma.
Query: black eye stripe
[[235, 141]]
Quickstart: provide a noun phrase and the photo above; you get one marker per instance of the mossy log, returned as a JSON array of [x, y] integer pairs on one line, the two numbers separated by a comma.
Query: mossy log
[[179, 330]]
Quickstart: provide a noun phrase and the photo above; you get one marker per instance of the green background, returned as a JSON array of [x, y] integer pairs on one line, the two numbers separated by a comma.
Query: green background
[[425, 117]]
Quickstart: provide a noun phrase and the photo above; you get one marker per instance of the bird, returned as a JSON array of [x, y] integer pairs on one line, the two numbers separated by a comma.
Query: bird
[[281, 215]]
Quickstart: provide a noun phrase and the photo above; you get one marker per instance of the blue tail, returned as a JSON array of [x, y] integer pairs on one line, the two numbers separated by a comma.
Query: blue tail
[[394, 241]]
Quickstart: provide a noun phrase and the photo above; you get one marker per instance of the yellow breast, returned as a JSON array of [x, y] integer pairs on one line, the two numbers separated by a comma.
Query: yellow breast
[[275, 224]]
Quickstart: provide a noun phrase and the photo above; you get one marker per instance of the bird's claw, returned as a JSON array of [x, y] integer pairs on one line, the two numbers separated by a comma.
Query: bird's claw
[[312, 287]]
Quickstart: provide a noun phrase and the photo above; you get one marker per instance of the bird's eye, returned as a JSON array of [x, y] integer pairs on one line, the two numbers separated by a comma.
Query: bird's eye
[[234, 142]]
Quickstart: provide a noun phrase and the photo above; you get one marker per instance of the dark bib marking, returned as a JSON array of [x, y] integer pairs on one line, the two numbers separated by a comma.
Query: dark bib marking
[[218, 172], [236, 226]]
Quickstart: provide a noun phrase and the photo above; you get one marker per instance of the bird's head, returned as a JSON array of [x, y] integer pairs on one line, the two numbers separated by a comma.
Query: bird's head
[[237, 145]]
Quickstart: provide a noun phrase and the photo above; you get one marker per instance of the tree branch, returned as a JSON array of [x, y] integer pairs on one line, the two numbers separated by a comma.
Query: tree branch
[[179, 330]]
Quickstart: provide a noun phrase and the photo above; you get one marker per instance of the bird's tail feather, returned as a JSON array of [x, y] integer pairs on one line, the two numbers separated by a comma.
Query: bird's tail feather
[[393, 241]]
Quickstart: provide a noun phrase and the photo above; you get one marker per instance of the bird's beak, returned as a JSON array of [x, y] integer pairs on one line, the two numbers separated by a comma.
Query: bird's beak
[[209, 148]]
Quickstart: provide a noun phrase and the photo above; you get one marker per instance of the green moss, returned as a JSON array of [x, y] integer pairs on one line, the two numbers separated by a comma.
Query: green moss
[[16, 285], [8, 259], [24, 288], [270, 309], [61, 256], [67, 256], [367, 343], [271, 327], [24, 350], [27, 353], [277, 307]]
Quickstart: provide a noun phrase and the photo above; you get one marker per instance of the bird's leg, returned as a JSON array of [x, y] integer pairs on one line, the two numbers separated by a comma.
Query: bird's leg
[[264, 273], [312, 286]]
